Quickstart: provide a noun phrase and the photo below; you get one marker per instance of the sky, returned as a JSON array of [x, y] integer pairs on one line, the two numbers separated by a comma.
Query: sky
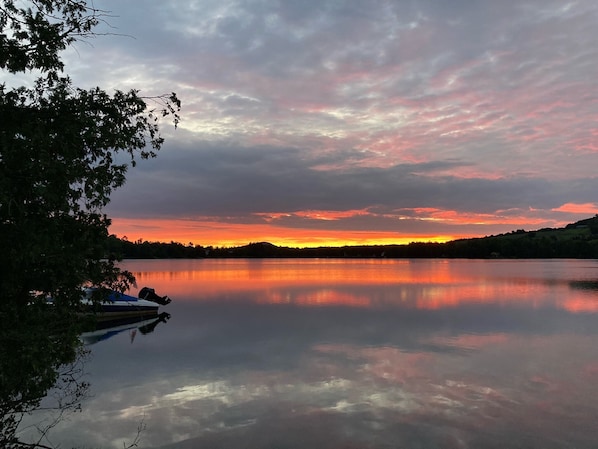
[[328, 122]]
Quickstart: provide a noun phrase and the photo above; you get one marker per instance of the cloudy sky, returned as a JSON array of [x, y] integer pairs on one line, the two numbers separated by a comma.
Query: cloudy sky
[[328, 122]]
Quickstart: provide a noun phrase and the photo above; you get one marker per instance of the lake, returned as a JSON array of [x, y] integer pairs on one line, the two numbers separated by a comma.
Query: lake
[[336, 353]]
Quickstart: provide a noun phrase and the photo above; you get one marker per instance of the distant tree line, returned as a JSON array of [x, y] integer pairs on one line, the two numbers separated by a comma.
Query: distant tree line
[[577, 240], [142, 249]]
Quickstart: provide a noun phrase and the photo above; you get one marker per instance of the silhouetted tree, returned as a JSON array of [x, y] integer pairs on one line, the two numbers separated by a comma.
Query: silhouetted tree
[[57, 171]]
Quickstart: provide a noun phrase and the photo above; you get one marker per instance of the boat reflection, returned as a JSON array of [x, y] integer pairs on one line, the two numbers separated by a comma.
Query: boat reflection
[[105, 329], [584, 284]]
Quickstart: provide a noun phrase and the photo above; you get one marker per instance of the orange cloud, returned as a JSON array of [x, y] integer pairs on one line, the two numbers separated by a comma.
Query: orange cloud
[[325, 215], [576, 208], [463, 218]]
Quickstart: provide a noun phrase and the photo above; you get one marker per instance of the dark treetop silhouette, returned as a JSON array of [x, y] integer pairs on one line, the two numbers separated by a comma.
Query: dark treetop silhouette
[[57, 171]]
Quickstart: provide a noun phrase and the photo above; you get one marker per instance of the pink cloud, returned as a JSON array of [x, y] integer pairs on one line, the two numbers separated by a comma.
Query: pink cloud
[[575, 208]]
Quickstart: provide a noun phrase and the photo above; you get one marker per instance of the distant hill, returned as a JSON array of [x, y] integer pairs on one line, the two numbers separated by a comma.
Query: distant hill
[[576, 240]]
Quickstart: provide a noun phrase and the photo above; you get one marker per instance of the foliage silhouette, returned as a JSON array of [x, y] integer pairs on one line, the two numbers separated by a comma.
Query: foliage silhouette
[[58, 147]]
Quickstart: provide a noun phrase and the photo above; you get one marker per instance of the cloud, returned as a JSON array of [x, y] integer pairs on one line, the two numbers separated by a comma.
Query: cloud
[[288, 106], [217, 179], [585, 209]]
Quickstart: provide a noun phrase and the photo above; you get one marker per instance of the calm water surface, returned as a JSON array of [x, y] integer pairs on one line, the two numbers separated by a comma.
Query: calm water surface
[[352, 354]]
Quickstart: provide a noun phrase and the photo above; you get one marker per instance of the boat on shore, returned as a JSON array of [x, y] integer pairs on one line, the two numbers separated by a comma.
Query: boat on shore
[[113, 304]]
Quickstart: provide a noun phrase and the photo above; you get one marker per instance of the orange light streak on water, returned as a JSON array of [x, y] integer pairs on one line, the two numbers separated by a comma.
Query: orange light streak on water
[[429, 285]]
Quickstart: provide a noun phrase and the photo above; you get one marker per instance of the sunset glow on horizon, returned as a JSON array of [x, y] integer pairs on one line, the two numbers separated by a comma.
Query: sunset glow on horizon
[[206, 231], [228, 236]]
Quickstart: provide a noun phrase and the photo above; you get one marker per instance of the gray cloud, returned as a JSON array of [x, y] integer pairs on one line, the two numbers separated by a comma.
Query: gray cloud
[[215, 179]]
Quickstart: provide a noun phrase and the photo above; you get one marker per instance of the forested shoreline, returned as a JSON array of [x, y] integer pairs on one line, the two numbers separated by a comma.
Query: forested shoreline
[[576, 240]]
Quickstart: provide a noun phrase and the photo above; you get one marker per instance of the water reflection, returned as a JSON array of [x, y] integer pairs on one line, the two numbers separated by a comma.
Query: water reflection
[[104, 329], [429, 284], [295, 354]]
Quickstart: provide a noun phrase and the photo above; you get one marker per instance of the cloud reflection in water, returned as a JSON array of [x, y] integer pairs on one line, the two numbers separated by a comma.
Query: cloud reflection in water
[[458, 354]]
